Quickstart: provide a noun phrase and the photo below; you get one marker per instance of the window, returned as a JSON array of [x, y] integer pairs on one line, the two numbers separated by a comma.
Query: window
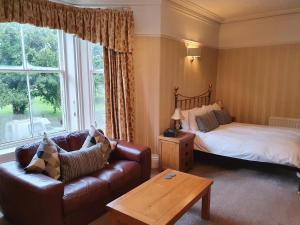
[[31, 82], [98, 85]]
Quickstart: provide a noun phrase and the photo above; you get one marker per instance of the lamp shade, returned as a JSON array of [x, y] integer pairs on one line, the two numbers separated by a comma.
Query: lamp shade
[[194, 52], [177, 115]]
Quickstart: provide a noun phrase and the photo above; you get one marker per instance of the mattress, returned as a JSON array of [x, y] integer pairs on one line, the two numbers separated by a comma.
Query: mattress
[[252, 142]]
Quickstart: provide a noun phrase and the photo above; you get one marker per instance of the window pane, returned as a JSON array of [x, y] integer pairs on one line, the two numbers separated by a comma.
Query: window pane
[[47, 112], [14, 107], [41, 46], [99, 100], [10, 45], [97, 54]]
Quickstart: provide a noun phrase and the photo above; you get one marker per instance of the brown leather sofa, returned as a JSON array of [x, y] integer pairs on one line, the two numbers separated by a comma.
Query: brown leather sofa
[[36, 199]]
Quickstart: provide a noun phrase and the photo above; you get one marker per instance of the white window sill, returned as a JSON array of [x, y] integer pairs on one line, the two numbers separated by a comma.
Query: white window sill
[[8, 153]]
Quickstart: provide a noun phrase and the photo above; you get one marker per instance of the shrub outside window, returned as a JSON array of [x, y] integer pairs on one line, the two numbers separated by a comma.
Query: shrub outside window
[[31, 82], [98, 85]]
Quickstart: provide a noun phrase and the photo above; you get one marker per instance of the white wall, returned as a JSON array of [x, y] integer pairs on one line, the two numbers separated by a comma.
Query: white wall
[[284, 29]]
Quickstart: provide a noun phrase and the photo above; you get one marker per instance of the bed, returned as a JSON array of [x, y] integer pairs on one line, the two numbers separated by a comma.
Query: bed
[[251, 142]]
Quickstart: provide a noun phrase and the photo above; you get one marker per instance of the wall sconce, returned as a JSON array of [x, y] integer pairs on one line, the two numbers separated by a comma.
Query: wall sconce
[[193, 53]]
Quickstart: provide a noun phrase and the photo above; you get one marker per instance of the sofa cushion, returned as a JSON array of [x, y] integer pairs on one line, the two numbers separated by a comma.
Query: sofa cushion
[[76, 139], [84, 191], [25, 153], [120, 174], [62, 142]]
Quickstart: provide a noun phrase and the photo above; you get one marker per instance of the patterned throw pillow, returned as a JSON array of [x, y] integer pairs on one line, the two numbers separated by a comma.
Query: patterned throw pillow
[[207, 122], [96, 137], [80, 163], [46, 159]]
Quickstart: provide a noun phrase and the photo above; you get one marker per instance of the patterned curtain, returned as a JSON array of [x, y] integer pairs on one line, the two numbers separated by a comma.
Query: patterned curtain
[[113, 29], [119, 97]]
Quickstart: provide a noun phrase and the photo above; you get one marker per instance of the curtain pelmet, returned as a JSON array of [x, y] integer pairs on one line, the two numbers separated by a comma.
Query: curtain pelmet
[[111, 28]]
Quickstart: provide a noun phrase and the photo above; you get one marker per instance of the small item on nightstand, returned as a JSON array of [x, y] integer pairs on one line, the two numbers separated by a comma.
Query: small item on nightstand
[[170, 132]]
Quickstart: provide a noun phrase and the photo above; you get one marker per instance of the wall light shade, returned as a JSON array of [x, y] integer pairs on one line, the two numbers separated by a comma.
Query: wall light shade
[[193, 53]]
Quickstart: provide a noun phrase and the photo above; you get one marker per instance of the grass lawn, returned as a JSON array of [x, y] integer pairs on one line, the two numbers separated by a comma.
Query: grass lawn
[[39, 109]]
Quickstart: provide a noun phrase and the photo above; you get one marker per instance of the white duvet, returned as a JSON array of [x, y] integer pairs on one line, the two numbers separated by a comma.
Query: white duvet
[[252, 142]]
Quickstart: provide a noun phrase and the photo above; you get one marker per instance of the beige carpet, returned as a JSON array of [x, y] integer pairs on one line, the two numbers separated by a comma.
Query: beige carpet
[[243, 197]]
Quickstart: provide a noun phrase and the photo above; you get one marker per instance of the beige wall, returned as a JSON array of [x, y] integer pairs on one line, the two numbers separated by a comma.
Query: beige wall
[[147, 72], [160, 64], [275, 30], [258, 82], [192, 78]]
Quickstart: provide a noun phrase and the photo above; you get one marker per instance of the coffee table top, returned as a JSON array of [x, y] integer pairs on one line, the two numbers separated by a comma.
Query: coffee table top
[[161, 201]]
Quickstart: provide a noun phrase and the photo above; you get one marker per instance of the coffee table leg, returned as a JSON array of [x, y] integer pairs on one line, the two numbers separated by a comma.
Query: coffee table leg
[[206, 205]]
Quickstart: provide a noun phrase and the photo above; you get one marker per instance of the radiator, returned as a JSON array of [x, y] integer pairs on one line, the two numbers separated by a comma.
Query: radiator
[[284, 122]]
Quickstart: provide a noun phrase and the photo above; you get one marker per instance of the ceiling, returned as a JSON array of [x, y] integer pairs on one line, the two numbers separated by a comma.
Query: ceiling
[[233, 10], [221, 11]]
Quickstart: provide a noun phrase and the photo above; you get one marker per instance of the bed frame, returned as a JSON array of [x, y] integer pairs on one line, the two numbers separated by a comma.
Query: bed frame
[[189, 102]]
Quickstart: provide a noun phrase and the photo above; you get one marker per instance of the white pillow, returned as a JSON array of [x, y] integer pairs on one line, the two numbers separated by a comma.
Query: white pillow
[[215, 106], [185, 122]]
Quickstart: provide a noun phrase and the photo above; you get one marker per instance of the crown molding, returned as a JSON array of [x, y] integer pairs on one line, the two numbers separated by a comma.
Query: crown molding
[[185, 9], [191, 7], [262, 15]]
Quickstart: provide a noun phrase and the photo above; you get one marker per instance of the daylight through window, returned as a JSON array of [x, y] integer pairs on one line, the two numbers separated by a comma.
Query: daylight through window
[[98, 85], [31, 82]]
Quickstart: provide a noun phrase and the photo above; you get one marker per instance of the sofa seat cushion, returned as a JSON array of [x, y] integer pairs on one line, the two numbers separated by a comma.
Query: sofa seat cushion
[[120, 174], [81, 192]]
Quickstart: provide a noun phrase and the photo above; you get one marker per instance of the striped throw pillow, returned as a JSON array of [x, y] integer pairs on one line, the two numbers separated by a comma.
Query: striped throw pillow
[[79, 163]]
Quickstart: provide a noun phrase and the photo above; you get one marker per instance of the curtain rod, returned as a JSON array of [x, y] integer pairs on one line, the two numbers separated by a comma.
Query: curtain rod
[[102, 6]]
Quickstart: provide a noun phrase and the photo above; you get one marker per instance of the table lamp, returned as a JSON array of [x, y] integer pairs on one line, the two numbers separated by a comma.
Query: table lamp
[[177, 116]]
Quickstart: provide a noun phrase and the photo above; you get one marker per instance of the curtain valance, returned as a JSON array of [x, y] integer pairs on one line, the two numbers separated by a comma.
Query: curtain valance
[[109, 27]]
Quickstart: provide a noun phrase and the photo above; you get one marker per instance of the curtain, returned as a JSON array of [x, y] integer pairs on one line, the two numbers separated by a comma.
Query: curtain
[[119, 97], [113, 29]]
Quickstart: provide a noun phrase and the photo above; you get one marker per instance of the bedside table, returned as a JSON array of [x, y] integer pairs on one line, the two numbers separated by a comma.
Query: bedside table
[[177, 152]]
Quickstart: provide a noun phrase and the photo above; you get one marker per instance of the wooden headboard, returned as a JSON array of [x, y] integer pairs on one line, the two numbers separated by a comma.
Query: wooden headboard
[[189, 102]]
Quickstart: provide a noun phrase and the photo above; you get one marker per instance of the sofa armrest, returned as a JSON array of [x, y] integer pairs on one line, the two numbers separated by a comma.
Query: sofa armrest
[[30, 199], [137, 153]]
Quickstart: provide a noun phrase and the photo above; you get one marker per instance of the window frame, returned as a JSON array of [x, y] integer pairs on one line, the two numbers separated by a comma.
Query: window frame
[[63, 87], [93, 71]]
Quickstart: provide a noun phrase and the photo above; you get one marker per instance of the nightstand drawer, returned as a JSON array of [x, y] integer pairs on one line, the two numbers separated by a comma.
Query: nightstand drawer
[[169, 157], [177, 153]]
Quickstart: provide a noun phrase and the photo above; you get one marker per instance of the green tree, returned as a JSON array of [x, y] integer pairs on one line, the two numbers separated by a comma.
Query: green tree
[[41, 50]]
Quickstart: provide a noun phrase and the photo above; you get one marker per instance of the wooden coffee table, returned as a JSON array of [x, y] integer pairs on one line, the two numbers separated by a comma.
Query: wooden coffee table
[[160, 201]]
